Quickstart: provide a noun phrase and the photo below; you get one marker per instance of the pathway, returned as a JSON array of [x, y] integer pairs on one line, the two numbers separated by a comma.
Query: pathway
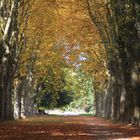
[[67, 128]]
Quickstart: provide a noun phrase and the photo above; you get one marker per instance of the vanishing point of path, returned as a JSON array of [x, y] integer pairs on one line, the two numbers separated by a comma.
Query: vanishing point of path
[[67, 128]]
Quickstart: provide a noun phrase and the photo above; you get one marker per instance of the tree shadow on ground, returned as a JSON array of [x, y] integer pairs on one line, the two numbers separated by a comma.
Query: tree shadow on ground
[[66, 131]]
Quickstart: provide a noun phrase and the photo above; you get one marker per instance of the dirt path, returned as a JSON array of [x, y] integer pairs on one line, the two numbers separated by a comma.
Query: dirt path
[[66, 128]]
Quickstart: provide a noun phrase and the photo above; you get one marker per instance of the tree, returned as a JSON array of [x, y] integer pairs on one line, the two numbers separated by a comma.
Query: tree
[[14, 15], [117, 23]]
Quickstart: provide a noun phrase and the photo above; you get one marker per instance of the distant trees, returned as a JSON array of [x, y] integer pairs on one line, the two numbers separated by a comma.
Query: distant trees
[[75, 93]]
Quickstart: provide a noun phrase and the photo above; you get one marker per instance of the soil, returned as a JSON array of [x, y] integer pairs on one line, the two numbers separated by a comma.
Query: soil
[[67, 128]]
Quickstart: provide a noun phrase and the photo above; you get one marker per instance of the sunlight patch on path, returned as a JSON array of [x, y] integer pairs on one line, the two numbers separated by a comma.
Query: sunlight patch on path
[[65, 113], [133, 138]]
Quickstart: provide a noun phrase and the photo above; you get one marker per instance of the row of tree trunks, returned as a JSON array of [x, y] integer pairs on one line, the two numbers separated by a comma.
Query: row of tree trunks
[[122, 99], [24, 102], [13, 23]]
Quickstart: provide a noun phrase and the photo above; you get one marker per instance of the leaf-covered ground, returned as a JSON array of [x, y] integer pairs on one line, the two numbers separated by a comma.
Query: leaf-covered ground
[[67, 128]]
